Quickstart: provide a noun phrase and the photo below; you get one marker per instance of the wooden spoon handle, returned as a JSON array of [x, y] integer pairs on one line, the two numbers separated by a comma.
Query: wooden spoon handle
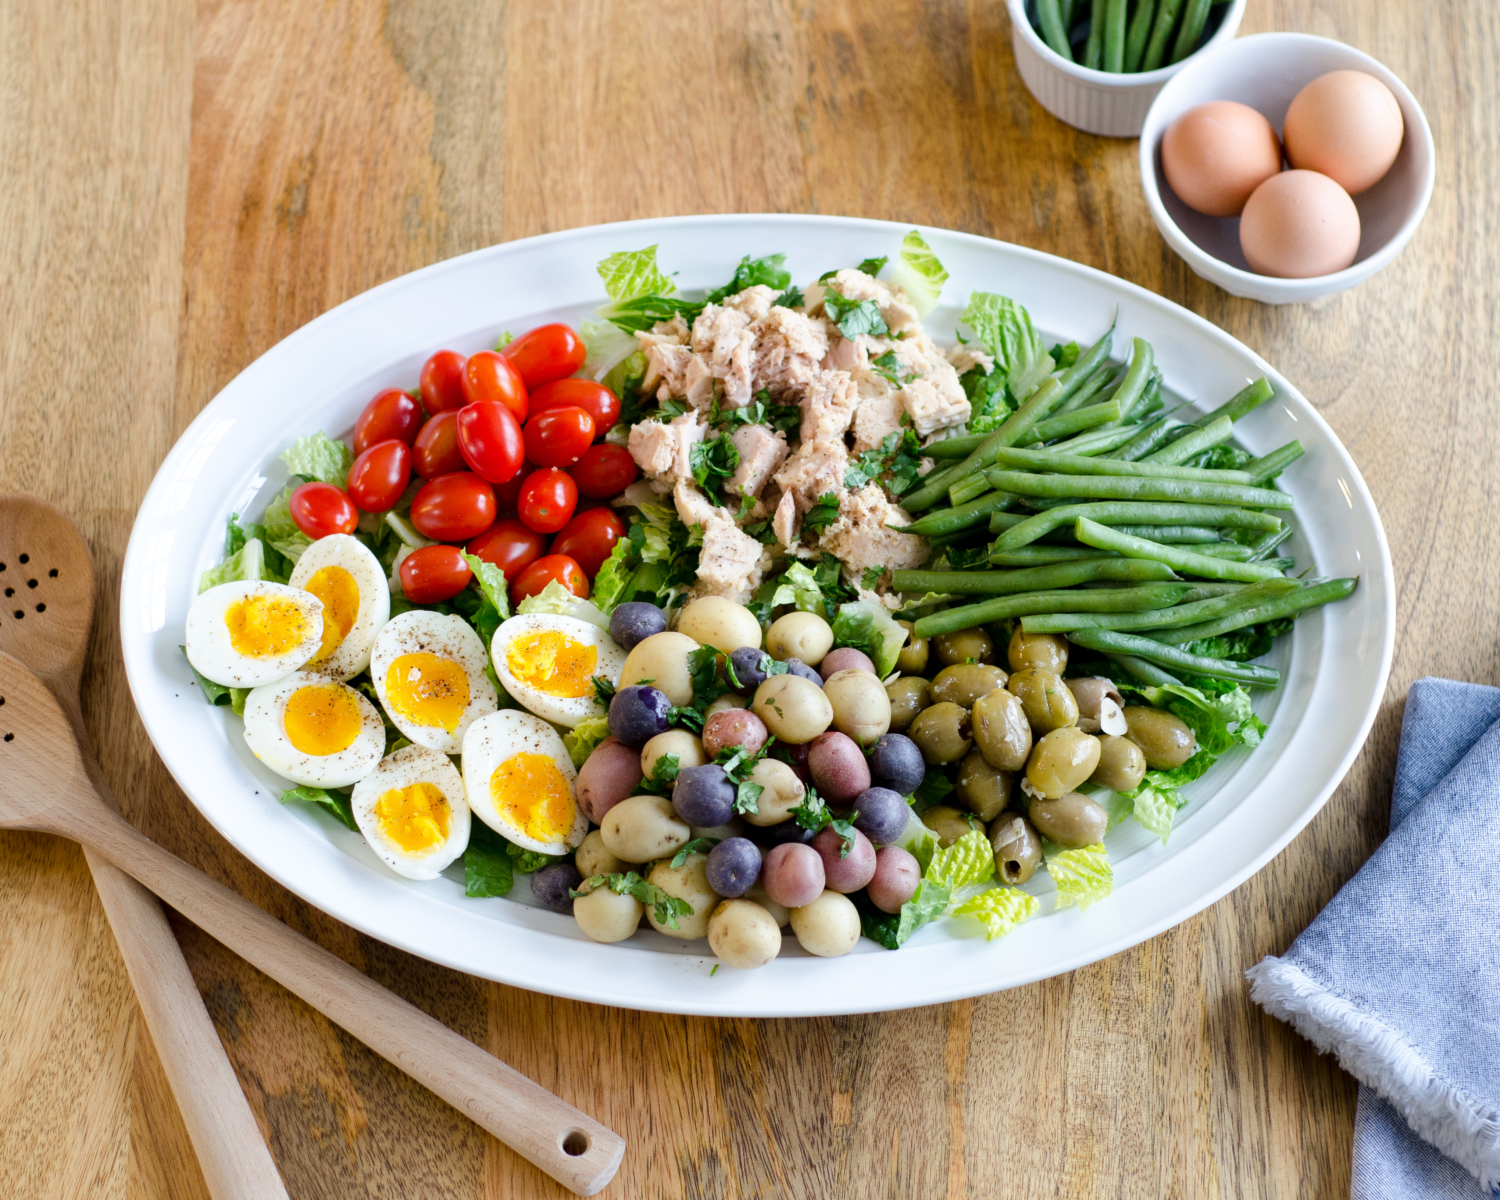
[[568, 1145]]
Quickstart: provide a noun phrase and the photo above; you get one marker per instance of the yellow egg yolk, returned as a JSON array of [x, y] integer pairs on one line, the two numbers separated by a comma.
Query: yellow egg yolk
[[336, 588], [533, 795], [416, 818], [265, 626], [428, 690], [322, 720], [553, 663]]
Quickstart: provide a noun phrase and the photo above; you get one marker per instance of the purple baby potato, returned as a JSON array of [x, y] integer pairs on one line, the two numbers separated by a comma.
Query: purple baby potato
[[609, 775], [850, 873], [845, 658], [795, 666], [733, 727], [838, 767], [630, 624], [895, 880], [733, 867], [638, 714], [793, 874], [896, 763], [880, 814], [551, 884], [748, 664], [703, 796]]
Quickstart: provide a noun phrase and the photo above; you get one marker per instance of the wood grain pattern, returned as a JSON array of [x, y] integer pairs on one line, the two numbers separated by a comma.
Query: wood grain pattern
[[186, 187]]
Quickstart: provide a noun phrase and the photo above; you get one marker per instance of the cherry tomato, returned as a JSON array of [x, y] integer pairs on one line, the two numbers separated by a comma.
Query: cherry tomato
[[442, 382], [547, 500], [490, 441], [546, 353], [434, 574], [453, 507], [490, 376], [436, 449], [557, 567], [510, 545], [507, 493], [604, 471], [558, 437], [594, 398], [379, 476], [320, 509], [589, 538], [392, 414]]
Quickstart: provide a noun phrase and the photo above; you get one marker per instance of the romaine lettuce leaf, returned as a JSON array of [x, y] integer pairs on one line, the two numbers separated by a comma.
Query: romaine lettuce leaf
[[967, 861], [554, 598], [608, 347], [1154, 807], [582, 738], [1082, 876], [868, 626], [999, 910], [989, 402], [612, 585], [1007, 333], [318, 457], [246, 563], [918, 273], [797, 586], [492, 585], [281, 531], [629, 274]]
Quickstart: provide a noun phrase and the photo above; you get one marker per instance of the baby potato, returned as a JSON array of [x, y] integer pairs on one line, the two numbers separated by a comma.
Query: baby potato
[[610, 774], [722, 624], [845, 658], [801, 635], [663, 659], [593, 857], [839, 768], [688, 882], [686, 746], [733, 727], [897, 874], [743, 934], [780, 913], [860, 706], [607, 916], [642, 828], [793, 709], [781, 791], [725, 703], [828, 927]]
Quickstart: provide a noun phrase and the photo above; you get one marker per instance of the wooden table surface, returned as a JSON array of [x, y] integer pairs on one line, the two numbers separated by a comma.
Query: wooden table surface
[[184, 186]]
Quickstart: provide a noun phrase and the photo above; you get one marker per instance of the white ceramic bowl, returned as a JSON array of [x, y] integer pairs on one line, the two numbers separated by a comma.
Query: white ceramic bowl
[[1097, 101], [1266, 71]]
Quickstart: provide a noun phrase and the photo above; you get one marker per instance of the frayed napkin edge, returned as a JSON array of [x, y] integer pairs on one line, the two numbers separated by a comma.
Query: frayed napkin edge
[[1378, 1056]]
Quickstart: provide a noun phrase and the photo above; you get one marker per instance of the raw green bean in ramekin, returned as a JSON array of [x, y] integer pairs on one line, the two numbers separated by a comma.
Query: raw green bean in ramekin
[[1093, 54], [1108, 641], [951, 620], [1056, 36], [1284, 605], [1111, 487], [1031, 579], [1114, 37], [1193, 20], [1125, 512], [1091, 533], [1136, 35], [1161, 34]]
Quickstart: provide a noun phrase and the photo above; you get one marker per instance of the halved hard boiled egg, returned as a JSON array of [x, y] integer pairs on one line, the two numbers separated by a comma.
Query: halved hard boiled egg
[[248, 633], [411, 810], [428, 670], [548, 662], [520, 782], [341, 572], [313, 730]]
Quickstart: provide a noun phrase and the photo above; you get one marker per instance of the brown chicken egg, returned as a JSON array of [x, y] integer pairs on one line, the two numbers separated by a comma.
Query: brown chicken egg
[[1216, 154], [1299, 224], [1346, 125]]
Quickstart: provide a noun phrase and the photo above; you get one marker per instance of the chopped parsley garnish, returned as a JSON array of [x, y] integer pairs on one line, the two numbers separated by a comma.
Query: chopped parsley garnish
[[604, 690], [854, 317], [888, 367], [899, 455], [737, 766], [666, 909], [751, 272], [822, 514], [813, 814], [791, 298], [871, 577], [663, 775], [873, 266], [697, 846], [714, 461]]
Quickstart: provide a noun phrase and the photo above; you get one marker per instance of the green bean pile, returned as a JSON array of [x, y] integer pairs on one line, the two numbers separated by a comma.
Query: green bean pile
[[1121, 36], [1092, 516]]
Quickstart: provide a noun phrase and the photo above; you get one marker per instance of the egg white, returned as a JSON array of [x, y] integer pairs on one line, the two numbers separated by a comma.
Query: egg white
[[407, 766], [561, 710], [494, 739], [448, 637], [266, 735], [212, 653], [352, 655]]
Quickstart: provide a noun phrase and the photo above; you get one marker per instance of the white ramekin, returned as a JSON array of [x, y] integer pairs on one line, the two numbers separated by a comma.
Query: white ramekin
[[1265, 71], [1097, 101]]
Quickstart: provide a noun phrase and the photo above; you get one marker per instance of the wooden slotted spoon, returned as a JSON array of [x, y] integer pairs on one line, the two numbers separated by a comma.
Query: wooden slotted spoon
[[45, 786]]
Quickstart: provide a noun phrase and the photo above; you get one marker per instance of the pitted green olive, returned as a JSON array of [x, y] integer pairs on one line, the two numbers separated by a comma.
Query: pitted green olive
[[984, 790], [1062, 760], [1046, 650], [967, 645], [1165, 739], [949, 823], [1072, 821], [1017, 848], [1048, 703], [1091, 692], [1122, 765], [909, 695], [942, 733], [914, 653], [1001, 731], [964, 683]]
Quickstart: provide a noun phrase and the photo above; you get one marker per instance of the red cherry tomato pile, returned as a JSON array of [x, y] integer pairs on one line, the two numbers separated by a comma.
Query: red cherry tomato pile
[[504, 444]]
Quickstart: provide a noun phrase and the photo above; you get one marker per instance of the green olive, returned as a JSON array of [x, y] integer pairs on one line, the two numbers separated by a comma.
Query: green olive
[[943, 733], [1046, 650], [1062, 760], [909, 695], [964, 683], [1091, 693], [1072, 821], [1048, 703], [1166, 740], [1001, 730], [967, 645], [1121, 767], [949, 824], [983, 789], [913, 657], [1018, 849]]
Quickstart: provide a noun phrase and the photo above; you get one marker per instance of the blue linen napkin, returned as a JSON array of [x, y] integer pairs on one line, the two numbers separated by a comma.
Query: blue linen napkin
[[1400, 975]]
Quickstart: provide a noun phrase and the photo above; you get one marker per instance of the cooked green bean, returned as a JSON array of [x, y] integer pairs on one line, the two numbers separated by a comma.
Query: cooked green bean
[[1261, 547], [1175, 534], [1281, 564], [1096, 441], [1111, 487], [964, 490], [1158, 433], [1091, 533], [1089, 389], [1040, 556], [1077, 421], [1032, 579], [1241, 404], [1142, 360], [1084, 366], [974, 536], [1147, 673], [956, 447], [1273, 464], [1031, 529], [1229, 551], [1070, 464], [1114, 37], [1106, 640], [1194, 443], [1093, 54], [1161, 34], [1053, 30], [951, 520], [1192, 612], [951, 620], [1135, 37], [1284, 605]]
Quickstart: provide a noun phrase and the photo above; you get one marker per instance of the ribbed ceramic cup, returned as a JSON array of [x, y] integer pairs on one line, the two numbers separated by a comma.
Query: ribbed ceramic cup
[[1097, 101]]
